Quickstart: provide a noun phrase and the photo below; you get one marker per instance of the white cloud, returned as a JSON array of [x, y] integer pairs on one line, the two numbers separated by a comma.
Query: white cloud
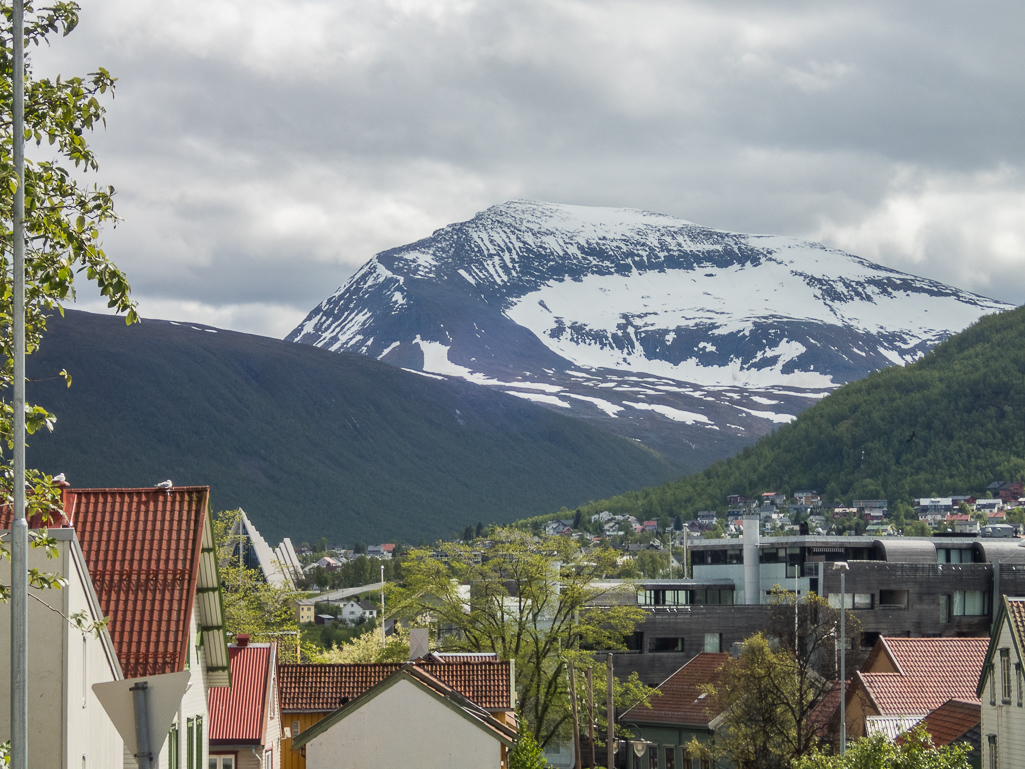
[[263, 149]]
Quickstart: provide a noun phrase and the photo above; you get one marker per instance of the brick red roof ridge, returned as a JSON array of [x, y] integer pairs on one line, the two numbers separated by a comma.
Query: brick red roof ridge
[[319, 688]]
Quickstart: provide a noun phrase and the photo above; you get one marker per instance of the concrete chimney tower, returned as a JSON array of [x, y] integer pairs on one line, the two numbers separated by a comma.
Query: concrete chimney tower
[[752, 577]]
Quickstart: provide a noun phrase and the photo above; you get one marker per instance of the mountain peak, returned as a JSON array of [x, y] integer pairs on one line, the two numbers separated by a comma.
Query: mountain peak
[[567, 305]]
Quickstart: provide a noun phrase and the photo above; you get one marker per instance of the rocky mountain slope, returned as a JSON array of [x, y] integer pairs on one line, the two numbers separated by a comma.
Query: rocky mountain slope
[[693, 340]]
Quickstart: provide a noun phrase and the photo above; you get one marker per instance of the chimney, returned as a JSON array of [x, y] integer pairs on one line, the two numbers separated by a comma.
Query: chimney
[[418, 643], [242, 639]]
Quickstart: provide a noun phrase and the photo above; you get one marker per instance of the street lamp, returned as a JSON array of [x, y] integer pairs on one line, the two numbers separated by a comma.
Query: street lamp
[[843, 567]]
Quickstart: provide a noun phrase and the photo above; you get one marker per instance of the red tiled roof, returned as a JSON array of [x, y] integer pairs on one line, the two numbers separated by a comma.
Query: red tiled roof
[[142, 548], [236, 712], [824, 715], [1016, 614], [682, 701], [951, 720], [931, 671], [320, 688]]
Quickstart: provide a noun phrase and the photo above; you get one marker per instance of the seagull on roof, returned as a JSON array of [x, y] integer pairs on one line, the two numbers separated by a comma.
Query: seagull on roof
[[165, 485]]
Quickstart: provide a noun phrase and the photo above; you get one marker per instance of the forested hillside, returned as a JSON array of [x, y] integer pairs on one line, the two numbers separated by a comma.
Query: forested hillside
[[311, 443], [951, 422]]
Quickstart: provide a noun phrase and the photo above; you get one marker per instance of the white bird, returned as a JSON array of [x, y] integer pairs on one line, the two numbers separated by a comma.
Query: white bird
[[60, 478], [165, 485]]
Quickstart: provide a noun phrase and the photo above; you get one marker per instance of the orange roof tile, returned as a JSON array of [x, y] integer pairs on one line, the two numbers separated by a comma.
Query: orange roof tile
[[682, 701], [322, 688], [930, 672], [142, 548], [951, 720], [237, 711]]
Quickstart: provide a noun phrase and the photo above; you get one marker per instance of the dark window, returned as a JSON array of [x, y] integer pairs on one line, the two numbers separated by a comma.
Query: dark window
[[1005, 675], [666, 644], [893, 599], [670, 758], [1018, 678], [944, 608], [653, 757], [992, 685], [991, 741]]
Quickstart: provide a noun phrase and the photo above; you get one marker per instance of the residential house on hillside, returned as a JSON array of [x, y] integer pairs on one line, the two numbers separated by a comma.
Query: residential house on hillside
[[310, 693], [441, 728], [1008, 492], [905, 679], [67, 726], [353, 611], [1001, 688], [678, 714], [556, 528], [151, 557], [245, 718]]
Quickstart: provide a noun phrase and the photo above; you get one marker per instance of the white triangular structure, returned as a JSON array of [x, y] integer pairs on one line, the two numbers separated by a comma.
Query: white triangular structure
[[280, 566]]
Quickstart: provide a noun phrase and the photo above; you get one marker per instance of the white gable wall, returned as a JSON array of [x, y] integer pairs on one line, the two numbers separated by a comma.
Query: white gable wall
[[401, 727], [1006, 721], [68, 727]]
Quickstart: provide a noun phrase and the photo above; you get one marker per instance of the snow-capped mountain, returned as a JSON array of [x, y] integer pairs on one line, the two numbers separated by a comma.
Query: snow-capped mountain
[[689, 338]]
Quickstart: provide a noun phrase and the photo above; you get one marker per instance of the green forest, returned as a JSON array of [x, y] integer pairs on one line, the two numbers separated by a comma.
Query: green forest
[[952, 422]]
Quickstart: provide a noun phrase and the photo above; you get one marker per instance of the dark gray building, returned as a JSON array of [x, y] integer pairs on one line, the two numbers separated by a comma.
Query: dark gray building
[[896, 586]]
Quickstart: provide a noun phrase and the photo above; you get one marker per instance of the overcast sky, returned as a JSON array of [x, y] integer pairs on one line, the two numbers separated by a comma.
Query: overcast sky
[[264, 149]]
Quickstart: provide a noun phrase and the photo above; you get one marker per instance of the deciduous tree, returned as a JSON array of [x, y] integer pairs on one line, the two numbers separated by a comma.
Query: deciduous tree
[[768, 692], [914, 751], [527, 599]]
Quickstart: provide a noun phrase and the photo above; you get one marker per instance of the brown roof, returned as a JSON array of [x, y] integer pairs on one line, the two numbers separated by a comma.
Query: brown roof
[[415, 672], [237, 711], [951, 720], [322, 688], [682, 701], [929, 671], [142, 548]]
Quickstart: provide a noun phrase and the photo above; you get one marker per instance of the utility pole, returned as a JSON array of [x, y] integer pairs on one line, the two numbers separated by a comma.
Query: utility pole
[[19, 526], [382, 605], [576, 718], [590, 711], [610, 716]]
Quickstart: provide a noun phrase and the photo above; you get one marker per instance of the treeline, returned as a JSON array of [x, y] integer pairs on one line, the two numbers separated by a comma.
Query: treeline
[[952, 422]]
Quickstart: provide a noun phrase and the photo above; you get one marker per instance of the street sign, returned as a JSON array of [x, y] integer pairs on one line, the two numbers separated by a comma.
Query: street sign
[[155, 698]]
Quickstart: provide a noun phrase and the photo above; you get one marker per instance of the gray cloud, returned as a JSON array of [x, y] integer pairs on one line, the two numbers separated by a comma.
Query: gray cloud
[[262, 151]]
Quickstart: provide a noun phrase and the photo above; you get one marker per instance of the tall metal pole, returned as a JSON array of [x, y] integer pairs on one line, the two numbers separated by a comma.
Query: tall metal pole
[[610, 715], [590, 712], [19, 527], [382, 606], [843, 660]]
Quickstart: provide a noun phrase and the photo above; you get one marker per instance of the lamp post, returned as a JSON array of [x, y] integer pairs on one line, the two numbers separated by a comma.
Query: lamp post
[[843, 567]]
